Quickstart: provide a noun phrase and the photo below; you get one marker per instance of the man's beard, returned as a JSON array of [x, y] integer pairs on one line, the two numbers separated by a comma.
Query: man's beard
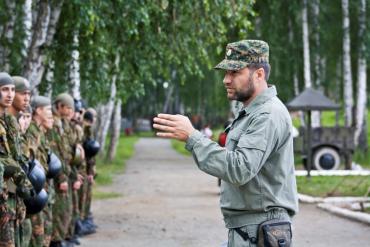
[[246, 94]]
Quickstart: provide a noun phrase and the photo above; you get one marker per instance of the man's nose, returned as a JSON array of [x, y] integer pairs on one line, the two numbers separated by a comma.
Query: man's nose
[[227, 79]]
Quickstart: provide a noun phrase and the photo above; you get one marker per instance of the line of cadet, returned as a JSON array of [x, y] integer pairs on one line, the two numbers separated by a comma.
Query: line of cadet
[[46, 167]]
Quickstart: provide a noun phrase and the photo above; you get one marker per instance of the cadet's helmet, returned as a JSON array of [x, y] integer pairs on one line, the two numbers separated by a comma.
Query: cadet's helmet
[[88, 116], [78, 105], [36, 175], [91, 147], [54, 165], [77, 157], [36, 203]]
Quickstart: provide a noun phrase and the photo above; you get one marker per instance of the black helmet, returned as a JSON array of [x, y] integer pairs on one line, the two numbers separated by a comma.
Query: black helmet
[[88, 116], [54, 165], [91, 148], [78, 105], [36, 203], [36, 175]]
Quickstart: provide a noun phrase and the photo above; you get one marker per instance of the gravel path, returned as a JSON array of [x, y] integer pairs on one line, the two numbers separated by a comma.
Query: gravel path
[[166, 201]]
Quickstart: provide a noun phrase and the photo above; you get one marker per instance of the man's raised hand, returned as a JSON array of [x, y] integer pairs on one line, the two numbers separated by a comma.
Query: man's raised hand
[[173, 126]]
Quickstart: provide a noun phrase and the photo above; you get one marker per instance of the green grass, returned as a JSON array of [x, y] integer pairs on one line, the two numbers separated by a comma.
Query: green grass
[[324, 186], [106, 170], [100, 195], [180, 147]]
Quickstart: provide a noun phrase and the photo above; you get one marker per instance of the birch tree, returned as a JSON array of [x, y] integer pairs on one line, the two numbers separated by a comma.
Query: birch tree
[[361, 109], [27, 25], [43, 31], [347, 70], [116, 130], [74, 70]]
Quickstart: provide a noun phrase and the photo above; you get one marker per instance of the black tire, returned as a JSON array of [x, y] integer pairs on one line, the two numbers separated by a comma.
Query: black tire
[[326, 158]]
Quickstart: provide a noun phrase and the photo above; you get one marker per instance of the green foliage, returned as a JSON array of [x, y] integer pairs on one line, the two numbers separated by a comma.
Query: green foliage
[[106, 171], [324, 186]]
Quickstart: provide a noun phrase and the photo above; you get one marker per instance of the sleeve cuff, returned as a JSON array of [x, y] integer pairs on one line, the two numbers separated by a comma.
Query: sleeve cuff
[[193, 138]]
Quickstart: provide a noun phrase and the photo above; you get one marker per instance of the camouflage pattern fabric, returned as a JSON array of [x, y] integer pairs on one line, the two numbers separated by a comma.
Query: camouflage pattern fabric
[[17, 183], [37, 239], [62, 208], [26, 232], [243, 53]]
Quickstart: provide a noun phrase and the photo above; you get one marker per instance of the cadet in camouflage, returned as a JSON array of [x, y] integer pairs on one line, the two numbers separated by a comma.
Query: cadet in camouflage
[[17, 183], [59, 141]]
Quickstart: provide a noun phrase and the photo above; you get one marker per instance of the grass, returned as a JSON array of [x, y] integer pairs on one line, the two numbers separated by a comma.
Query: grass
[[180, 147], [106, 170], [324, 186], [101, 195]]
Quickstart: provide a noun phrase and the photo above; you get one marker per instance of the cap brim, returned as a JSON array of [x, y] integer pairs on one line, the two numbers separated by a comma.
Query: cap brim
[[231, 65]]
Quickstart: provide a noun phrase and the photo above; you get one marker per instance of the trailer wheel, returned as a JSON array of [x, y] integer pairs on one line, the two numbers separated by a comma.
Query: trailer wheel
[[326, 158]]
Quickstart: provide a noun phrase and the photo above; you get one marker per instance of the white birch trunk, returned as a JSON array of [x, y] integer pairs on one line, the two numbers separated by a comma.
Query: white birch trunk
[[7, 34], [316, 25], [361, 74], [27, 25], [116, 130], [108, 111], [74, 70], [347, 71], [42, 35], [105, 123], [306, 48]]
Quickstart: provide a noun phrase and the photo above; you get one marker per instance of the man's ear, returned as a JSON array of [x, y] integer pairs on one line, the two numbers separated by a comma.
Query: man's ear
[[260, 74]]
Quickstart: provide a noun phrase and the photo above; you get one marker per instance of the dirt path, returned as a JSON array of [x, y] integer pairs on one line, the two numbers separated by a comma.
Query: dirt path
[[168, 202]]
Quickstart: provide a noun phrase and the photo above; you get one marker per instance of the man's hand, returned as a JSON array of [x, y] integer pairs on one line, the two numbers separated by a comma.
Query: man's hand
[[63, 186], [90, 178], [77, 185], [173, 126]]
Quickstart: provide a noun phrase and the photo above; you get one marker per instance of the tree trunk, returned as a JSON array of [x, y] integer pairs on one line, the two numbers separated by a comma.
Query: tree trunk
[[306, 48], [316, 24], [361, 75], [116, 130], [7, 36], [347, 71], [42, 36], [27, 25], [74, 70]]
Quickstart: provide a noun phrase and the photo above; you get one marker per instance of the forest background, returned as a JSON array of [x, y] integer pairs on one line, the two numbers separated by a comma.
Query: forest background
[[135, 59]]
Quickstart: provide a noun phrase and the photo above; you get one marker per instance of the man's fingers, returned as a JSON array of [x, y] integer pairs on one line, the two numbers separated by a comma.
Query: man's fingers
[[164, 122], [167, 116], [163, 127], [166, 135]]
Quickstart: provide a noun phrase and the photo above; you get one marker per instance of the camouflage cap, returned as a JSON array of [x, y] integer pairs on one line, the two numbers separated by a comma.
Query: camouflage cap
[[21, 84], [65, 99], [242, 53], [5, 79], [40, 101]]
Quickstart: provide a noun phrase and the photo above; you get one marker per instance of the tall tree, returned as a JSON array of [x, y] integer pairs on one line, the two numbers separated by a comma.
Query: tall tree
[[7, 35], [74, 69], [347, 68], [361, 111], [115, 131]]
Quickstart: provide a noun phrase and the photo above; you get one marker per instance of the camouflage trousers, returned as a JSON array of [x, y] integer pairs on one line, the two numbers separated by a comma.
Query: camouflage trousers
[[83, 198], [26, 232], [62, 213], [42, 227], [87, 208], [8, 222], [75, 213]]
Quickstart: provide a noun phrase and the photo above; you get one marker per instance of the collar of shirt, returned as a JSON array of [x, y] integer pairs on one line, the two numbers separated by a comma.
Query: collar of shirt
[[267, 94]]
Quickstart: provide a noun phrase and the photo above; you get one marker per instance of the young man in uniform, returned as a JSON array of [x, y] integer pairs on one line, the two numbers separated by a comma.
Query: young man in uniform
[[42, 221], [63, 108], [256, 166], [17, 186], [20, 104]]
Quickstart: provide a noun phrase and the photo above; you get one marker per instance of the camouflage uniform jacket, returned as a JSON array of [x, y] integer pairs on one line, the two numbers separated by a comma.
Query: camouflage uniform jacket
[[11, 156]]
